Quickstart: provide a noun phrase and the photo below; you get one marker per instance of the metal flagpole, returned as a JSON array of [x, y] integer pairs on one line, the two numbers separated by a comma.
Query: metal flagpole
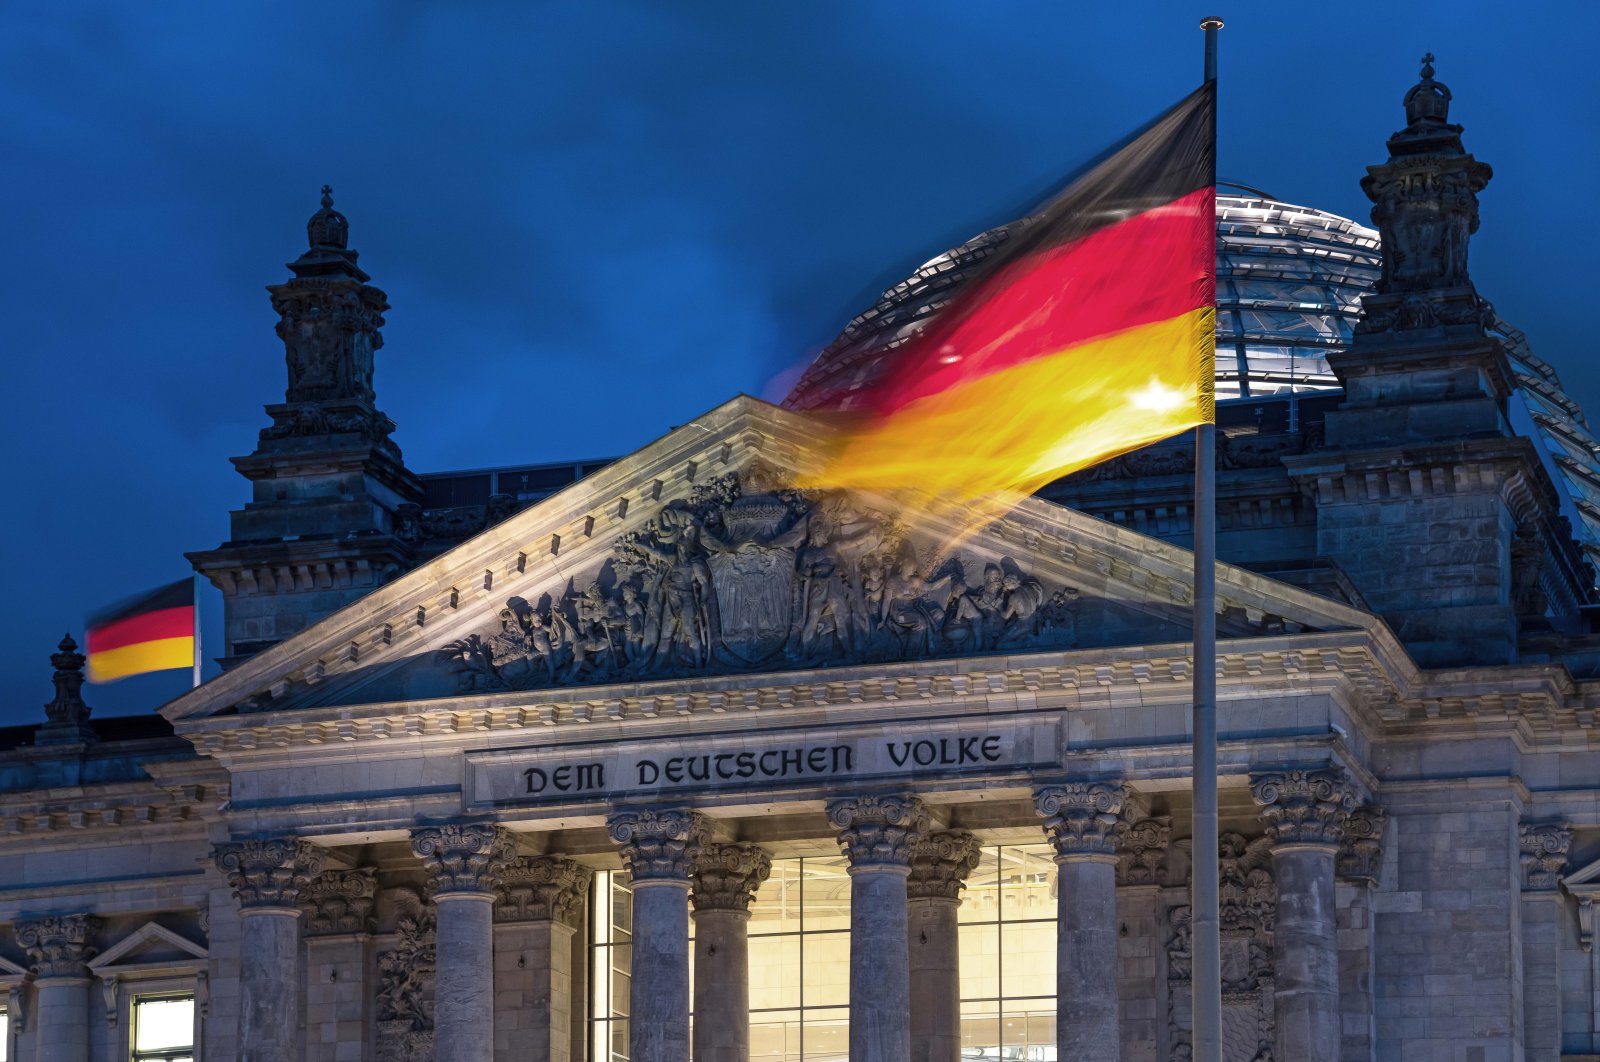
[[197, 628], [1204, 925]]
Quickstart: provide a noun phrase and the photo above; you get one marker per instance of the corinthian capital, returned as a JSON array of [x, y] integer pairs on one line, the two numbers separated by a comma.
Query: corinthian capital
[[268, 872], [58, 946], [1361, 848], [462, 856], [339, 901], [659, 844], [878, 830], [1304, 807], [726, 876], [542, 889], [940, 863], [1081, 818], [1544, 855]]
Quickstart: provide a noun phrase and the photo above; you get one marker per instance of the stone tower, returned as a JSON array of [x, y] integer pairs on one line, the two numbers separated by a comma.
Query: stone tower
[[1443, 519], [319, 530]]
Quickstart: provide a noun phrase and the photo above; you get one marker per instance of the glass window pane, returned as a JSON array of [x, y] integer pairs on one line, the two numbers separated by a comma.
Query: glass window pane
[[980, 902], [775, 1037], [1028, 959], [825, 894], [980, 961], [825, 964], [980, 1031], [827, 1035], [774, 972], [1027, 882], [163, 1024], [776, 908]]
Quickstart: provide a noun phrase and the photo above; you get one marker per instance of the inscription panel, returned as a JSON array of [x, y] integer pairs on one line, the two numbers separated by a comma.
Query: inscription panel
[[641, 770]]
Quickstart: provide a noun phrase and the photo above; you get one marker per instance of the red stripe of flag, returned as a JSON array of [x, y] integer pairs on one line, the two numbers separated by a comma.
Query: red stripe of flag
[[148, 627], [1151, 267]]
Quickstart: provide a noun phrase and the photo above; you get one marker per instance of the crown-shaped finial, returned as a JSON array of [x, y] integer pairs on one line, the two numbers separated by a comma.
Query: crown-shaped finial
[[327, 192], [1428, 102], [327, 227], [1427, 75]]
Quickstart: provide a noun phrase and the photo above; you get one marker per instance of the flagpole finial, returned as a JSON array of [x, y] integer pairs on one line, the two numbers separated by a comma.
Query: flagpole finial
[[1211, 22]]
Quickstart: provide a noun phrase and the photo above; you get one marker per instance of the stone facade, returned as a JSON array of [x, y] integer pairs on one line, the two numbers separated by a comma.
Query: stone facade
[[375, 837]]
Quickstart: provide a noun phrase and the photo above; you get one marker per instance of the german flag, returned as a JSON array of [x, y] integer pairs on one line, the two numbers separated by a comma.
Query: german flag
[[152, 632], [1088, 333]]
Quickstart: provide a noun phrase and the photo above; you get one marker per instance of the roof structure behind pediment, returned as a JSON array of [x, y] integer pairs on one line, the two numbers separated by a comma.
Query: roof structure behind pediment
[[697, 556]]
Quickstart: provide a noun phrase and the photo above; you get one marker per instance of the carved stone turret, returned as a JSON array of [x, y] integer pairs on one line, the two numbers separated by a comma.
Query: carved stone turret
[[321, 529], [67, 715], [1443, 518]]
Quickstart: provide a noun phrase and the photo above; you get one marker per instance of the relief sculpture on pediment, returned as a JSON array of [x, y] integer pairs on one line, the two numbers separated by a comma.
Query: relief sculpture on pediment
[[748, 573]]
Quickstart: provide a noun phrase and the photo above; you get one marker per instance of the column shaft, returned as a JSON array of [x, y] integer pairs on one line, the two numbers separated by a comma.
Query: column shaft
[[659, 997], [338, 999], [1087, 1025], [1306, 954], [721, 986], [463, 1012], [935, 979], [63, 1016], [269, 984], [880, 979]]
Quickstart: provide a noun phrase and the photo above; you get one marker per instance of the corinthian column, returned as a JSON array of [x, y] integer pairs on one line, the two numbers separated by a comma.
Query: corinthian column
[[940, 863], [659, 848], [267, 876], [877, 833], [1305, 814], [540, 905], [726, 877], [58, 949], [1082, 821], [464, 861]]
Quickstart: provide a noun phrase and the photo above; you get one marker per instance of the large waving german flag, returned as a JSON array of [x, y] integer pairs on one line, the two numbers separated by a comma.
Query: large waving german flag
[[1090, 332], [152, 632]]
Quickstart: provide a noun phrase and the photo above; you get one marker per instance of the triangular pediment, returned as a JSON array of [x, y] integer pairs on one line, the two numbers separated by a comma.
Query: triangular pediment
[[1588, 874], [149, 945], [696, 556]]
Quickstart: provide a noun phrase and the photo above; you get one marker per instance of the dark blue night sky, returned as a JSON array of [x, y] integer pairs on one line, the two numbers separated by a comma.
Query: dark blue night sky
[[595, 220]]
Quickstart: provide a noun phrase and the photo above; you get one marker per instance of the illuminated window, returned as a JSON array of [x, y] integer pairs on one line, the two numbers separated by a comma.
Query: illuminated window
[[5, 1035], [163, 1029], [800, 961]]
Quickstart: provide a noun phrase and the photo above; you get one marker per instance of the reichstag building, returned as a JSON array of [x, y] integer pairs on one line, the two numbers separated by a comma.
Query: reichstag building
[[662, 758]]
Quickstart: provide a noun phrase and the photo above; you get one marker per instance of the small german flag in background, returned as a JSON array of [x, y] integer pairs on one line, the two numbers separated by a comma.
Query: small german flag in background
[[1088, 333], [152, 632]]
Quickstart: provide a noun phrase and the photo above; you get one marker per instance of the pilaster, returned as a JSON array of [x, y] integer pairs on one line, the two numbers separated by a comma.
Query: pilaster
[[339, 988], [1356, 866], [1543, 853], [540, 906]]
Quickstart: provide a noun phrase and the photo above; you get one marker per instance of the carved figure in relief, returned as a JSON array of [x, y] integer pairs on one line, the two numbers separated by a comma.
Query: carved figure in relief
[[975, 615], [1019, 612], [828, 617], [634, 622], [911, 613]]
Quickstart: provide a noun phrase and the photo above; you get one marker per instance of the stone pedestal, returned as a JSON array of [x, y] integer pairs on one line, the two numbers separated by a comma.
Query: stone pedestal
[[940, 863], [877, 834], [464, 861], [339, 992], [58, 948], [536, 918], [1305, 814], [268, 876], [1082, 822], [726, 877], [659, 848], [1543, 856]]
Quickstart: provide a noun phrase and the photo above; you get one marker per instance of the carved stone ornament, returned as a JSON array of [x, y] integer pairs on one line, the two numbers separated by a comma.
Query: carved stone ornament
[[747, 574], [1544, 855], [339, 901], [405, 985], [726, 876], [58, 946], [543, 889], [1304, 807], [1425, 206], [67, 708], [940, 864], [462, 856], [1081, 818], [877, 831], [1142, 851], [1248, 910], [659, 845], [1361, 849], [268, 872]]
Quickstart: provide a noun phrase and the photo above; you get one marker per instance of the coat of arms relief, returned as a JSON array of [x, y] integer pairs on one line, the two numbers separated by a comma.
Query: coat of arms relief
[[749, 573]]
